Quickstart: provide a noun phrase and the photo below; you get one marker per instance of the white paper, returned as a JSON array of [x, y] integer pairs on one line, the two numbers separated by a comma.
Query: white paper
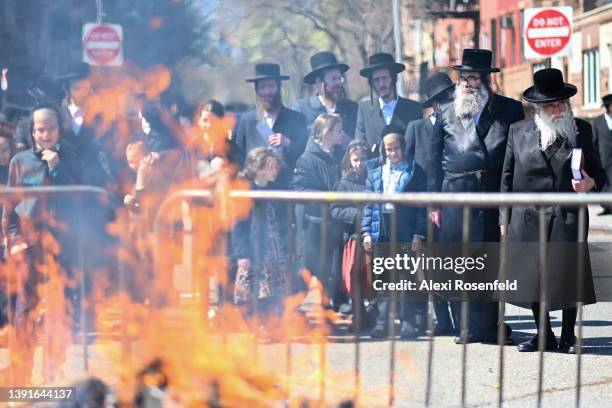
[[576, 163]]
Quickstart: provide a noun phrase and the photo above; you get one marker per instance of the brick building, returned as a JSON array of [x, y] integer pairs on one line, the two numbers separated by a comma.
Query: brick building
[[500, 28]]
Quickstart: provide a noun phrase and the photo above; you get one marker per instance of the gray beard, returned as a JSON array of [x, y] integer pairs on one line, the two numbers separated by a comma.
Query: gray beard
[[552, 129], [469, 104]]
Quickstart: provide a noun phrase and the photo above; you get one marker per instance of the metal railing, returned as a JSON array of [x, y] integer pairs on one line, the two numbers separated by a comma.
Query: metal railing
[[14, 194], [503, 201]]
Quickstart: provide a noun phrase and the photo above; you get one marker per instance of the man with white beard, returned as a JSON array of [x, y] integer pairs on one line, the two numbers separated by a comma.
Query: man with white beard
[[538, 159], [467, 151]]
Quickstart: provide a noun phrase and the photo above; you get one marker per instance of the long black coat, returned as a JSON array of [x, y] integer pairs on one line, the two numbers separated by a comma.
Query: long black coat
[[602, 140], [452, 155], [316, 170], [529, 169], [289, 122], [370, 120], [311, 107], [418, 142]]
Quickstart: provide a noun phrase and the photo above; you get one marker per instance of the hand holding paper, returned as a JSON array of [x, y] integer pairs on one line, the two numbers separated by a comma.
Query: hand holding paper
[[584, 185]]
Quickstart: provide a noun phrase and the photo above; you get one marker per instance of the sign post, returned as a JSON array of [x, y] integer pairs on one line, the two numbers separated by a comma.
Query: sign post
[[547, 32], [103, 44]]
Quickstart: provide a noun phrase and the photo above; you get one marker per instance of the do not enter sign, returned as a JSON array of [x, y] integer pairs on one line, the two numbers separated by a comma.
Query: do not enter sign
[[548, 32], [103, 44]]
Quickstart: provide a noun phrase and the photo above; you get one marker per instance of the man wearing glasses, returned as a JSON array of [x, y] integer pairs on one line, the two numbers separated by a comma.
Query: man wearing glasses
[[468, 148]]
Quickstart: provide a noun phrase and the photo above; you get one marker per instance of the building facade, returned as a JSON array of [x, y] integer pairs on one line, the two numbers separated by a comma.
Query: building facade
[[500, 28]]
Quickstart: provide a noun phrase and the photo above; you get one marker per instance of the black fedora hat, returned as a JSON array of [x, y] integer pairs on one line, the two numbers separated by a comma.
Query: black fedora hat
[[548, 86], [476, 60], [267, 70], [434, 86], [80, 70], [321, 61], [607, 100], [46, 87], [381, 60]]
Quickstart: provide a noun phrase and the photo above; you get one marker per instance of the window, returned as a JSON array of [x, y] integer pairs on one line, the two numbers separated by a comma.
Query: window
[[590, 77], [494, 40]]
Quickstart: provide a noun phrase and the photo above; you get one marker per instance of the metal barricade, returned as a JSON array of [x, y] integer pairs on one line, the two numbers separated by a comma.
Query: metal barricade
[[503, 201], [80, 193]]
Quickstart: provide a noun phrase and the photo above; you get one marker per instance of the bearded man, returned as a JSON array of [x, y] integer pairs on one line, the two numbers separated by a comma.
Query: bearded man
[[538, 159], [467, 151], [271, 124], [327, 75]]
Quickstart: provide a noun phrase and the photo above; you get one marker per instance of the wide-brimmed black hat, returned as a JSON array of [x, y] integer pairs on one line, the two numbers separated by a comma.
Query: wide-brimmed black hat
[[434, 87], [477, 60], [548, 86], [267, 70], [381, 60], [46, 87], [75, 72], [607, 100], [321, 61]]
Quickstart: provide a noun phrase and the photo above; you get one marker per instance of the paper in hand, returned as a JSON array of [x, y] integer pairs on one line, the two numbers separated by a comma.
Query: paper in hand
[[577, 163]]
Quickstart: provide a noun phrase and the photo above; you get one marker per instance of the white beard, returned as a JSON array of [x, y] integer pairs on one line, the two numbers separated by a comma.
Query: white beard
[[469, 104], [551, 128]]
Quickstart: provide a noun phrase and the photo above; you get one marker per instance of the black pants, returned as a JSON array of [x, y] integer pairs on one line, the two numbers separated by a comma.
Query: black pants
[[567, 325]]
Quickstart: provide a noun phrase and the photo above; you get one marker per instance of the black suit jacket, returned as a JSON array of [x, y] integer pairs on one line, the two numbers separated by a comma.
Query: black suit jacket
[[312, 107], [370, 121], [602, 140], [418, 141], [289, 122], [450, 154]]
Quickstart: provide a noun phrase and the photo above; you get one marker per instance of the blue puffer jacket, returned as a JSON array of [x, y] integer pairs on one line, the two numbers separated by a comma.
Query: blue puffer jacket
[[410, 220]]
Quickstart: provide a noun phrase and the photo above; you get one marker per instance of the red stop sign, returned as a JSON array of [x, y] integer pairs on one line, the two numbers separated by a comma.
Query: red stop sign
[[548, 32], [102, 44]]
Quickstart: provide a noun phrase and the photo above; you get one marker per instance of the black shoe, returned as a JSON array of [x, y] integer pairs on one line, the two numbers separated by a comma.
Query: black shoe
[[531, 345], [605, 211], [379, 332], [345, 309], [408, 331], [445, 330], [567, 345]]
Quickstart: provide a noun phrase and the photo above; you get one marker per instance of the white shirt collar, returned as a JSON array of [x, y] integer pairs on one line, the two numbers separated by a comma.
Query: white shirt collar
[[73, 109], [329, 110], [391, 103], [608, 119]]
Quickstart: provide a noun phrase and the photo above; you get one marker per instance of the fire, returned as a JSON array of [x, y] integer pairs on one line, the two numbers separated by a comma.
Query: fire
[[153, 340]]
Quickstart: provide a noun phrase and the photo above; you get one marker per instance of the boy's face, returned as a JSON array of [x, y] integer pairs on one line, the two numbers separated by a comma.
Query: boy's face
[[134, 156]]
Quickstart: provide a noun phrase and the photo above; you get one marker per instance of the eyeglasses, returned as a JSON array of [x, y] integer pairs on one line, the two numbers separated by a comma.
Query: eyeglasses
[[554, 106], [470, 79]]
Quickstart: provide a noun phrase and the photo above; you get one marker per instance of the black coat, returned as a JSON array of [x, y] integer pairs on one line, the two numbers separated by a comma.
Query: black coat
[[602, 140], [289, 122], [529, 169], [418, 142], [370, 120], [311, 107], [453, 155], [316, 170], [346, 213]]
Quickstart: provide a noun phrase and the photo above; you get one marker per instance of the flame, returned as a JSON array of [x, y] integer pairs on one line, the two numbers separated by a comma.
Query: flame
[[151, 336]]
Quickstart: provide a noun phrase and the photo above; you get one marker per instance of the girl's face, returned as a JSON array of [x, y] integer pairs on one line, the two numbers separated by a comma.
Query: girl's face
[[358, 159], [5, 151], [335, 135], [270, 171], [393, 148], [206, 119]]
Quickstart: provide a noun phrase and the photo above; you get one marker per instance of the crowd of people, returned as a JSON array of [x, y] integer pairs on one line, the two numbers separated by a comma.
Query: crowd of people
[[463, 137]]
